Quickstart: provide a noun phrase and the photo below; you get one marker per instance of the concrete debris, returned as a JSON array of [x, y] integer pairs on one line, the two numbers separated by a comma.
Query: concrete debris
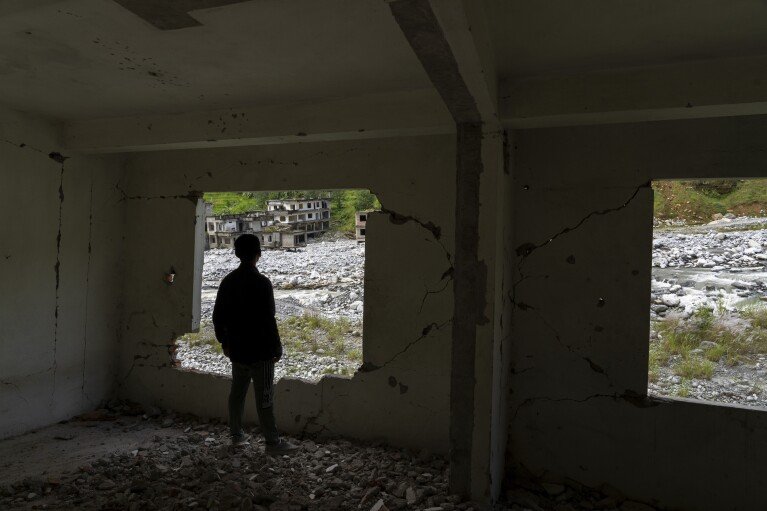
[[528, 495], [191, 463], [379, 506]]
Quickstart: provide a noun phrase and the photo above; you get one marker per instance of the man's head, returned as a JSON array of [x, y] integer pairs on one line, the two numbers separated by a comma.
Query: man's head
[[247, 248]]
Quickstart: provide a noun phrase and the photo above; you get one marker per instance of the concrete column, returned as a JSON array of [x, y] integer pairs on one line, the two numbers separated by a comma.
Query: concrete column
[[441, 36], [476, 435]]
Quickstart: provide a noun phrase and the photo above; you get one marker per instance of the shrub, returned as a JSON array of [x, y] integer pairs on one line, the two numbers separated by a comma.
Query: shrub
[[695, 367]]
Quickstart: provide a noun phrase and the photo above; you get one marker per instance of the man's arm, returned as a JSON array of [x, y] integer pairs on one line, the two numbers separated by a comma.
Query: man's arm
[[221, 315], [273, 323]]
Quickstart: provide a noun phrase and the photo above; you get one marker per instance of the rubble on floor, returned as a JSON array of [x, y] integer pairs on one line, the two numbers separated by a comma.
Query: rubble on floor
[[193, 465], [529, 495]]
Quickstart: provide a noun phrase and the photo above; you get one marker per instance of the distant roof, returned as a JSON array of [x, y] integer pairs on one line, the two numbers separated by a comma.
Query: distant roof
[[297, 200], [232, 216]]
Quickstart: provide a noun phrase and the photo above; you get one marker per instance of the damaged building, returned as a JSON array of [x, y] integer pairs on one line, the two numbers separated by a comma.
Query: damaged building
[[284, 224], [511, 144], [360, 224]]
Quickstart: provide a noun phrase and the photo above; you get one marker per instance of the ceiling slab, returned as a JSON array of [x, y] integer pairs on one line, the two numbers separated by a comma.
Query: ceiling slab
[[557, 37], [86, 59], [171, 14]]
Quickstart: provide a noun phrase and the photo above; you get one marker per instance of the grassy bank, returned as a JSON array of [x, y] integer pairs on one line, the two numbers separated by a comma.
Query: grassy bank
[[337, 338], [698, 201], [692, 347]]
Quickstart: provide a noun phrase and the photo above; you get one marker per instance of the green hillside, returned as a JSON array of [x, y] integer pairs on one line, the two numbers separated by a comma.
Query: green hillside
[[698, 201], [344, 203]]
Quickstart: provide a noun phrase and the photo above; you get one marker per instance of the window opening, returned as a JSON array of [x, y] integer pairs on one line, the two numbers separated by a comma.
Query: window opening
[[316, 269], [708, 310]]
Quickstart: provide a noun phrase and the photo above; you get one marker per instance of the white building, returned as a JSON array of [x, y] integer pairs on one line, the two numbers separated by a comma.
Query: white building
[[310, 216], [285, 224]]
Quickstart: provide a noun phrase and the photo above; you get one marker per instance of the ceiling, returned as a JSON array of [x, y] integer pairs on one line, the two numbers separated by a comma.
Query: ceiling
[[75, 59], [83, 59], [545, 37]]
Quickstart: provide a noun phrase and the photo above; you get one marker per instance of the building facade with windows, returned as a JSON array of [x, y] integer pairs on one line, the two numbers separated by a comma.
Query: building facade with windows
[[285, 224], [360, 224]]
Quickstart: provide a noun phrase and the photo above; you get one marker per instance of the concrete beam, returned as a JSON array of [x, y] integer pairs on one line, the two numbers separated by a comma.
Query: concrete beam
[[448, 37], [720, 88], [465, 28], [416, 112], [171, 15]]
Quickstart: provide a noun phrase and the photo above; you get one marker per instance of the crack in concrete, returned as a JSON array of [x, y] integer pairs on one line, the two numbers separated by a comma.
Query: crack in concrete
[[87, 287], [192, 196], [155, 366], [369, 367], [314, 419], [16, 388], [24, 145], [130, 370], [435, 230], [515, 371], [447, 277], [59, 158], [629, 396], [400, 219], [592, 365], [526, 249]]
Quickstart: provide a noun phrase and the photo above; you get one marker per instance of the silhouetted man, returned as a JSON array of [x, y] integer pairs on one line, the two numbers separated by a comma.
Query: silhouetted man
[[243, 318]]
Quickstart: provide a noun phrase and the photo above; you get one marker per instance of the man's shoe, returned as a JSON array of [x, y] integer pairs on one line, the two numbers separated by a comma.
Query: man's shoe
[[239, 440], [281, 447]]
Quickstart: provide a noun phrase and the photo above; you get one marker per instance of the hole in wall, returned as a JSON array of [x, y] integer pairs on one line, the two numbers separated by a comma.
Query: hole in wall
[[708, 310], [313, 251]]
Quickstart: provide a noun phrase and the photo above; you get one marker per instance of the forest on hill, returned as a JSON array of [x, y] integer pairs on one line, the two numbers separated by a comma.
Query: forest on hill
[[698, 201]]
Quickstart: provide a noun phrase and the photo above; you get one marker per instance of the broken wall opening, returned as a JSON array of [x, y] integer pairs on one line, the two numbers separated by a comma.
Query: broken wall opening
[[708, 333], [313, 251]]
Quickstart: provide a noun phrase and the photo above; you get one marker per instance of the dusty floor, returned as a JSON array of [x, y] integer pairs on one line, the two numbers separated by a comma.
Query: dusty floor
[[128, 458]]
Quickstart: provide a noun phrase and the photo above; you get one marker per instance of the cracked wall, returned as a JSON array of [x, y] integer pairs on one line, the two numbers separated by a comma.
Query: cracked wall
[[408, 291], [61, 277], [578, 409]]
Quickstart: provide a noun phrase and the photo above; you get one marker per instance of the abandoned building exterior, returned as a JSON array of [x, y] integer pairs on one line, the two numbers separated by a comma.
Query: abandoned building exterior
[[360, 224], [511, 144], [285, 223]]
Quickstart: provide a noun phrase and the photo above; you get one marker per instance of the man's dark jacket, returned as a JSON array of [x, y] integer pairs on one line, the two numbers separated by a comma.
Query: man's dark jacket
[[243, 317]]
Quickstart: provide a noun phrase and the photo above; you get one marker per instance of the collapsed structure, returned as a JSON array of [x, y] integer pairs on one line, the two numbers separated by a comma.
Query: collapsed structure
[[285, 223], [511, 145]]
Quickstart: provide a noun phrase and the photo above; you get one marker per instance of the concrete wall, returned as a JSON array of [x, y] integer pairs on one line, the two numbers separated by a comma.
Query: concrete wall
[[60, 275], [582, 219], [403, 398]]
